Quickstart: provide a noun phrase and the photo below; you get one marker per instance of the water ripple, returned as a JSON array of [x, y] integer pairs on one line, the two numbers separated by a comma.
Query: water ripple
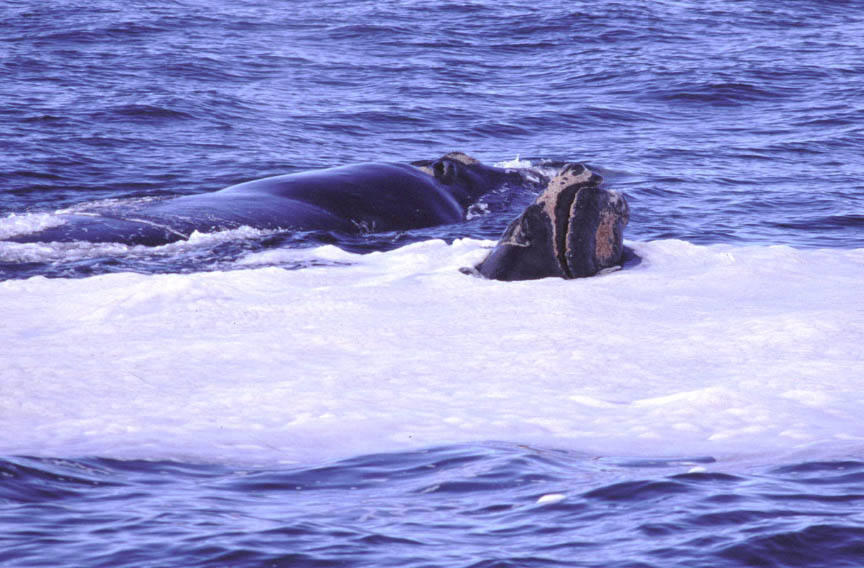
[[440, 507]]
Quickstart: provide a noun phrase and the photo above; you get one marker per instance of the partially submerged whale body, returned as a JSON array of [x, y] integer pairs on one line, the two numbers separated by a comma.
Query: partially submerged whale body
[[573, 229], [362, 198]]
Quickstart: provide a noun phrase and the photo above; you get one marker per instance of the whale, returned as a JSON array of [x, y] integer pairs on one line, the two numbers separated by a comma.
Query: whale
[[354, 199], [573, 229]]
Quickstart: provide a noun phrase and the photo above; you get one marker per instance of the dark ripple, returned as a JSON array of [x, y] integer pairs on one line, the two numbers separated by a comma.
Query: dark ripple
[[852, 221], [25, 481], [147, 112], [366, 31], [720, 94], [637, 491], [816, 545]]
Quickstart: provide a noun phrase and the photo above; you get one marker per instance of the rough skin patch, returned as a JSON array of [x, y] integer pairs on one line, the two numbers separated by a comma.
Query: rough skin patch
[[566, 178], [604, 238], [571, 175], [461, 157]]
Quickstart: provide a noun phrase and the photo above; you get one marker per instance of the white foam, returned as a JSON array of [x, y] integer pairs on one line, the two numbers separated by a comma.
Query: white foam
[[515, 163], [16, 224], [326, 253], [536, 172], [79, 250], [725, 351], [551, 499]]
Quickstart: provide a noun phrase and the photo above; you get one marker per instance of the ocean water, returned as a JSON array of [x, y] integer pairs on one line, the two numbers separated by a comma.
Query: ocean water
[[271, 399]]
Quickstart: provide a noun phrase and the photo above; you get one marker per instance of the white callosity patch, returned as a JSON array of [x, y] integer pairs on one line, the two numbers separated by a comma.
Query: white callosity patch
[[717, 350]]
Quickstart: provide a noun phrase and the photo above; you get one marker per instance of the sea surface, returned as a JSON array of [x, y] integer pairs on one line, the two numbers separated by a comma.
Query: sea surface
[[254, 398]]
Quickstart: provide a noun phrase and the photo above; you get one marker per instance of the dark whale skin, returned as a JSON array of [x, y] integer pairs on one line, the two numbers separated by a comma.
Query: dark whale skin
[[574, 229], [360, 198]]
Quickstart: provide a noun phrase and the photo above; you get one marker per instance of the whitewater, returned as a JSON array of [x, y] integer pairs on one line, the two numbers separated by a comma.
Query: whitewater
[[744, 354]]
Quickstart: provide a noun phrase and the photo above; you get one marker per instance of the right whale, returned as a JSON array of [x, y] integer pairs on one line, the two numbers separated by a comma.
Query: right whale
[[353, 199], [573, 229]]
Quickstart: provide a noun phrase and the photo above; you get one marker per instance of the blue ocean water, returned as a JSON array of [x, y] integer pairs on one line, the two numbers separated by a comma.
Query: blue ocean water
[[723, 122], [491, 505]]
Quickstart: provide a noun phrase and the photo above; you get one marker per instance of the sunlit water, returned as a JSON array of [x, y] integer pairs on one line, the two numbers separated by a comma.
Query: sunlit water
[[257, 399]]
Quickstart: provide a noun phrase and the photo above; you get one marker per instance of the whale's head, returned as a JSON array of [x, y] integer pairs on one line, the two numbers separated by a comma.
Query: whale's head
[[466, 178], [573, 229]]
